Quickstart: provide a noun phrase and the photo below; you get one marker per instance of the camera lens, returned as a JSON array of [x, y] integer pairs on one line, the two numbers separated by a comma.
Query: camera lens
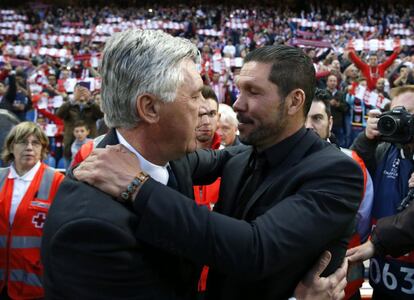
[[387, 125]]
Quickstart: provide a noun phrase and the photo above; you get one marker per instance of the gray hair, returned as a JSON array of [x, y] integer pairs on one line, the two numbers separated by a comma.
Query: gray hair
[[136, 62], [228, 115]]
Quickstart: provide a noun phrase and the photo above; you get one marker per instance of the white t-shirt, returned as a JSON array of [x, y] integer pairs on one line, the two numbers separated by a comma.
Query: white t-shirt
[[20, 187]]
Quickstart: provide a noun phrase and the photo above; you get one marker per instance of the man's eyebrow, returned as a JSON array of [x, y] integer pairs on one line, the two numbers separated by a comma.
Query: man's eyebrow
[[251, 83], [317, 115]]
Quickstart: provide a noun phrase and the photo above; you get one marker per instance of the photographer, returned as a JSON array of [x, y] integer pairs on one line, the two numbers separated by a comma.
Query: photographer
[[393, 235], [81, 108], [390, 159]]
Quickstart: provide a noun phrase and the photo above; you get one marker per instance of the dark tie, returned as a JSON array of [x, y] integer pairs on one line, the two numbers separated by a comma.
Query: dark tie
[[172, 181], [252, 182]]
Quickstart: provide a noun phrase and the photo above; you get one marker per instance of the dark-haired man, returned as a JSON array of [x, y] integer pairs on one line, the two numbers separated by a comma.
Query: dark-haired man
[[320, 120], [282, 202], [208, 138], [391, 165]]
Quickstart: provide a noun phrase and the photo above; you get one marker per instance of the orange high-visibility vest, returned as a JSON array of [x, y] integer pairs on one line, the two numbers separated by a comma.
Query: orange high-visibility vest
[[20, 267], [355, 276]]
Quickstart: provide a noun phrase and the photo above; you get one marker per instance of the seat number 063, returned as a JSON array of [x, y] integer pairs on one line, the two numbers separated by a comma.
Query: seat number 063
[[402, 279]]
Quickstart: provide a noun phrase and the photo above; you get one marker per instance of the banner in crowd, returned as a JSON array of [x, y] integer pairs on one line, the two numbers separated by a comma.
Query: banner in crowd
[[371, 98], [396, 29]]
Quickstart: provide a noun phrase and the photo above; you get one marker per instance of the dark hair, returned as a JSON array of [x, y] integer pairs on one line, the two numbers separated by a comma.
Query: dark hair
[[81, 123], [291, 69], [208, 93], [324, 97]]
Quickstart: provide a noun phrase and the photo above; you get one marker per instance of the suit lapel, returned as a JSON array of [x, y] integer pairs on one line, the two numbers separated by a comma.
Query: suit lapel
[[109, 139], [233, 183], [183, 178], [295, 156]]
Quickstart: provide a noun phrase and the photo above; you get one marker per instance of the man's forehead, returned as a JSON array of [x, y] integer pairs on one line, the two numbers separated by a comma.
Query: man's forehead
[[254, 72], [213, 105], [317, 107], [405, 99], [192, 78]]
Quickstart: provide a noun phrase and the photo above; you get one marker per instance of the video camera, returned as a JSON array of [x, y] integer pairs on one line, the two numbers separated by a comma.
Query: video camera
[[396, 126]]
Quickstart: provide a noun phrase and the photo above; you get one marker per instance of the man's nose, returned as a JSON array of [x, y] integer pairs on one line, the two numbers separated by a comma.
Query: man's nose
[[239, 104], [205, 119], [308, 124]]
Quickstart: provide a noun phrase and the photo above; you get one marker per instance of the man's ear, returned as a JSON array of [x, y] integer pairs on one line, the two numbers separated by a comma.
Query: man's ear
[[148, 108], [295, 101], [330, 123]]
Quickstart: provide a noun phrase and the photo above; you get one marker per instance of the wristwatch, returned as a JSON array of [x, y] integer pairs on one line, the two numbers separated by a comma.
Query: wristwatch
[[136, 183]]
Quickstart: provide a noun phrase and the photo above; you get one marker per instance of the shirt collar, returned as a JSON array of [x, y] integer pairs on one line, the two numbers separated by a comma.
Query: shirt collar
[[277, 153], [158, 173], [28, 176]]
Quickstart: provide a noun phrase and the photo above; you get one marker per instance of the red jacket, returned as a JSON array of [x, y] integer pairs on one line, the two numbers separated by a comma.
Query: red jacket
[[20, 243], [372, 74], [208, 194]]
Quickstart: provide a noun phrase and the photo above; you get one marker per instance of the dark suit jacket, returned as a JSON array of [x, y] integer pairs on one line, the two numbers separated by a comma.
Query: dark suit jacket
[[8, 98], [297, 212], [89, 250], [394, 235]]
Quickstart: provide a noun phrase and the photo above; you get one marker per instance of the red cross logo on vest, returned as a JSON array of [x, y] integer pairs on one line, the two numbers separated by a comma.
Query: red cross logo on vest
[[39, 220]]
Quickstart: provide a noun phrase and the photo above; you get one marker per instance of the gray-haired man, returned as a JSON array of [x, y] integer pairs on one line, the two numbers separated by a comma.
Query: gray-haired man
[[151, 93]]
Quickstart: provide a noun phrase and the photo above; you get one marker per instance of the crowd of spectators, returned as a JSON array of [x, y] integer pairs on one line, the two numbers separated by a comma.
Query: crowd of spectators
[[46, 51]]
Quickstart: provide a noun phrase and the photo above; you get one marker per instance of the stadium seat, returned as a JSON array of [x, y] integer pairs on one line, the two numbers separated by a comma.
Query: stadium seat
[[50, 161], [62, 163]]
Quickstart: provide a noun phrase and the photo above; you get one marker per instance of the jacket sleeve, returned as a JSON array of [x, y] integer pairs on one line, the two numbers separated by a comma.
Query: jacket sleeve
[[79, 260], [356, 60], [394, 235], [366, 149], [343, 105], [386, 64], [97, 113], [63, 111], [207, 165], [315, 216]]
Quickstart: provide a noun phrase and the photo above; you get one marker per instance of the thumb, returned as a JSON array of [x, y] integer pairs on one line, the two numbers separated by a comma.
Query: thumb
[[351, 251]]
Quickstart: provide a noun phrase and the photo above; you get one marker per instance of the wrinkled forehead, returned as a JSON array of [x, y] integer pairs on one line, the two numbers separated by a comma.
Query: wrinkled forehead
[[405, 99]]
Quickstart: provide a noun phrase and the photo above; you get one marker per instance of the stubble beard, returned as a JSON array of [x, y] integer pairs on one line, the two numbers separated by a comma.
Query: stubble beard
[[264, 132]]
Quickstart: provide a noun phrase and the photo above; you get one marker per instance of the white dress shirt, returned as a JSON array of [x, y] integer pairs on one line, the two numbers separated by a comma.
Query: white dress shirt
[[158, 173], [20, 187]]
